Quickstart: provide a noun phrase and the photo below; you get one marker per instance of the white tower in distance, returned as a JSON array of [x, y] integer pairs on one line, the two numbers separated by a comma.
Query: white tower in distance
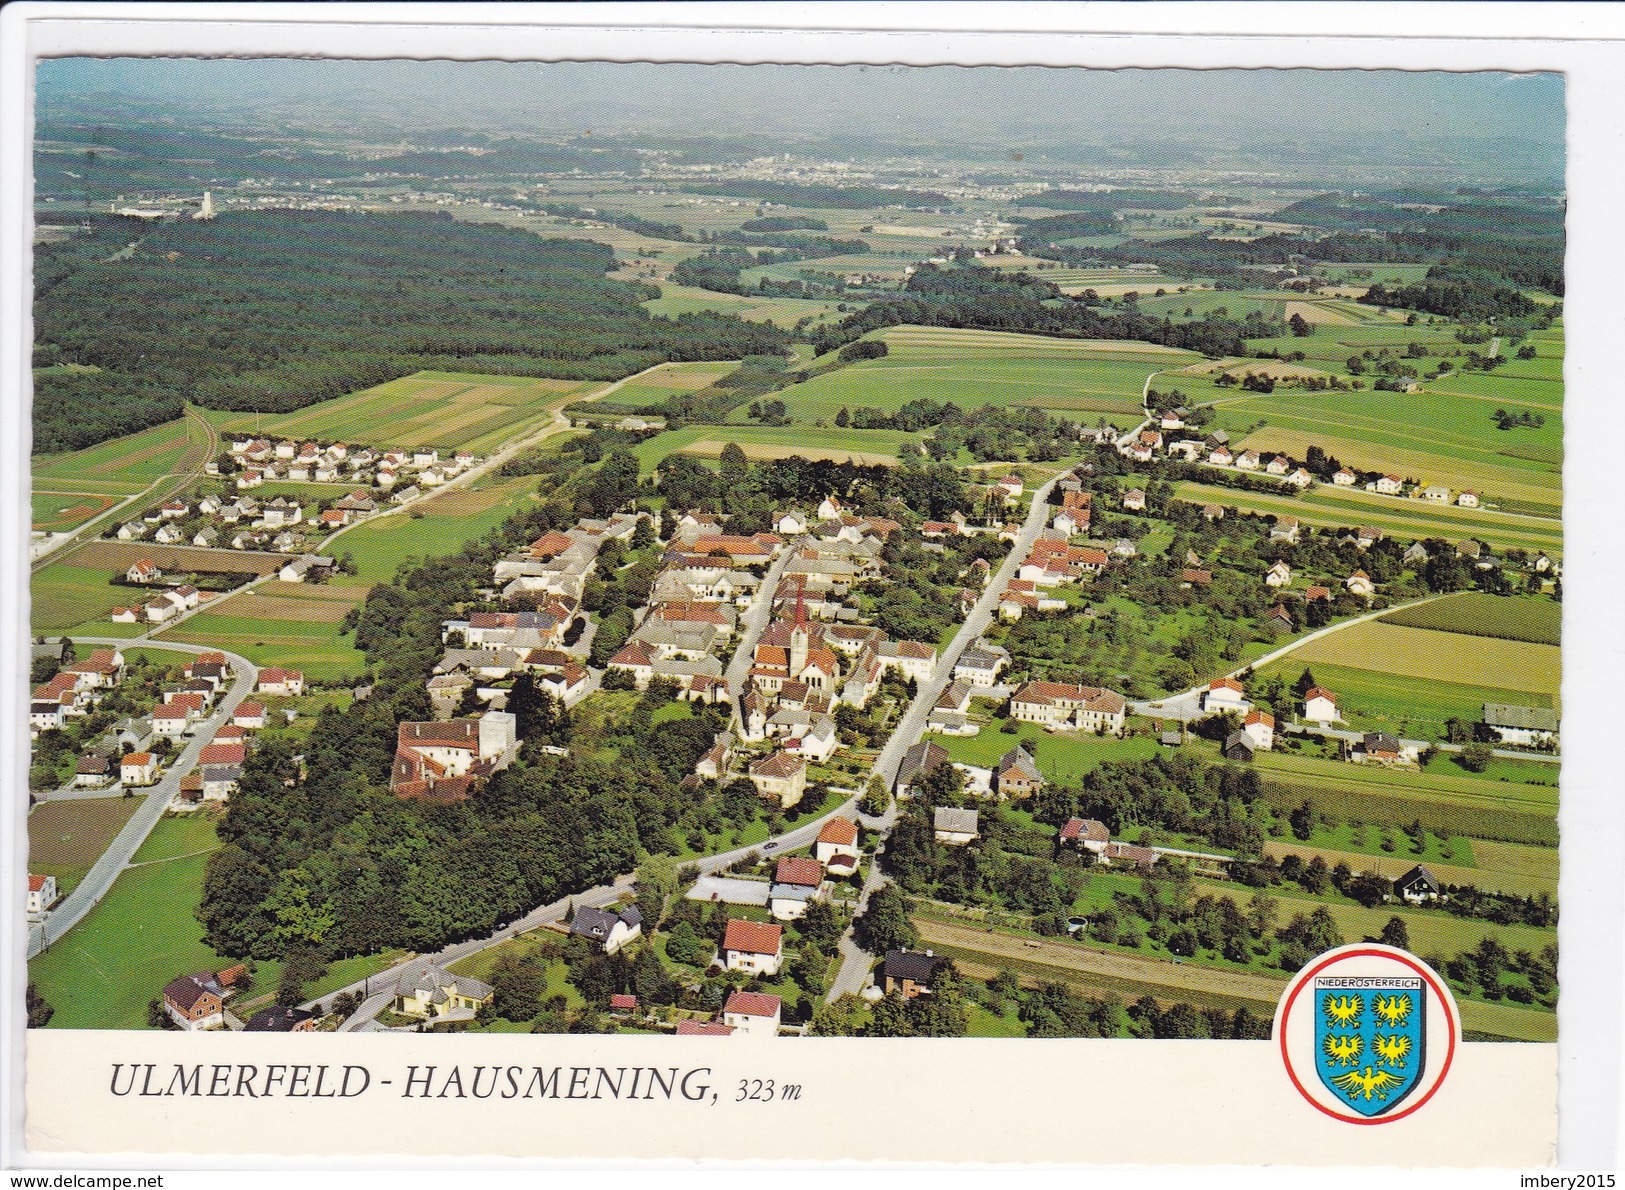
[[206, 211]]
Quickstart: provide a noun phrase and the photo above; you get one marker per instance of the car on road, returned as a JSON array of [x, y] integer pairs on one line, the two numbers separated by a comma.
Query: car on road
[[769, 846]]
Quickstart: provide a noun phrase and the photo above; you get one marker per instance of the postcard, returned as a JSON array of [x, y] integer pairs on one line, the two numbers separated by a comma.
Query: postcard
[[632, 594]]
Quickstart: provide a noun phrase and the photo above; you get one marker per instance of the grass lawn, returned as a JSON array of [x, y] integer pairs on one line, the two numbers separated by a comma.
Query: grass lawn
[[976, 368], [60, 508], [1410, 707], [66, 838], [318, 648], [672, 712], [544, 943], [983, 1023], [177, 835], [1062, 758]]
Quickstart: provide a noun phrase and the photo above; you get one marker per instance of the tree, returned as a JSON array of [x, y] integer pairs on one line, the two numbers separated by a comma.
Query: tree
[[1396, 933], [39, 1009], [299, 968], [518, 983], [157, 1016], [875, 798], [884, 925], [733, 464], [1475, 758], [1300, 326], [839, 1018]]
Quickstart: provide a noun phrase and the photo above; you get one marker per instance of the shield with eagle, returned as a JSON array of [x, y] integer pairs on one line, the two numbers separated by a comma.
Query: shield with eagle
[[1370, 1035]]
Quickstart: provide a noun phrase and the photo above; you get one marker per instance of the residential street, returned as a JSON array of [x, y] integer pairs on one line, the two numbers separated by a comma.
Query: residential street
[[754, 624], [106, 869]]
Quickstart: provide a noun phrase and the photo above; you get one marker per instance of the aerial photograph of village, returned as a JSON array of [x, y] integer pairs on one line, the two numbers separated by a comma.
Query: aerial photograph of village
[[789, 551]]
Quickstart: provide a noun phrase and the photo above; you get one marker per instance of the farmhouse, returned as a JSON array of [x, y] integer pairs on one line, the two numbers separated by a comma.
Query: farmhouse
[[1278, 575], [1378, 747], [1526, 726], [1088, 834], [289, 683], [1467, 499], [196, 1001], [1359, 584], [837, 845], [1259, 727], [41, 894]]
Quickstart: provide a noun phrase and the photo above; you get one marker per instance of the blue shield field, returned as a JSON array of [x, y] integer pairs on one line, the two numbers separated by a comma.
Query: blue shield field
[[1370, 1039]]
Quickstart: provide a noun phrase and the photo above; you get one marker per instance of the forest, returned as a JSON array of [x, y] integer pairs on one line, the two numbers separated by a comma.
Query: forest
[[273, 311]]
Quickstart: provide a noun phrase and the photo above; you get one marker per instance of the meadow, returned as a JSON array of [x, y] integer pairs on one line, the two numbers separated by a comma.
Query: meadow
[[774, 442], [1422, 654], [677, 299], [445, 410], [1077, 378], [122, 466], [437, 526], [317, 647], [1063, 758], [64, 596]]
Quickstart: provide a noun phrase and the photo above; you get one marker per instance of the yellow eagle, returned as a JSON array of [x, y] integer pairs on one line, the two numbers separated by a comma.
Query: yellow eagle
[[1367, 1082], [1392, 1049], [1394, 1010], [1343, 1010], [1344, 1049]]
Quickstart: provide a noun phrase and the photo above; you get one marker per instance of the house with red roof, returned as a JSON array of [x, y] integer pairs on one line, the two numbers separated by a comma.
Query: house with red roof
[[1320, 705], [138, 768], [1066, 705], [837, 841], [445, 761], [752, 1014], [1225, 694], [249, 715], [754, 947], [781, 776], [289, 683], [1259, 727], [798, 881], [1087, 834], [42, 895]]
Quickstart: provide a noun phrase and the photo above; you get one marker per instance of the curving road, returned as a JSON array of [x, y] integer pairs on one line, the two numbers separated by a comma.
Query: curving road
[[122, 849]]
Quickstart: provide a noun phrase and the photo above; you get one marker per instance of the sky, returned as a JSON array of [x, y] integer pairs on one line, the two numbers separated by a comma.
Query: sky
[[906, 103]]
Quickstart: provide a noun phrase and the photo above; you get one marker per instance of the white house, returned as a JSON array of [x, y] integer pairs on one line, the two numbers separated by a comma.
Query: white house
[[1320, 705], [610, 930], [752, 1014], [1278, 575], [41, 894], [1260, 729], [1225, 694], [754, 947]]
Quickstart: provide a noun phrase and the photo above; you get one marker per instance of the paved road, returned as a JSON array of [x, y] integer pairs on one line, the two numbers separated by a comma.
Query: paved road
[[128, 841], [1187, 704], [1421, 745], [855, 962], [755, 622]]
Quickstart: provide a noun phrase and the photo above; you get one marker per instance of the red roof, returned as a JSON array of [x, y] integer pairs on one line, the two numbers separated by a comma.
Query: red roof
[[1319, 692], [274, 676], [249, 710], [222, 754], [36, 883], [1225, 684], [799, 870], [1264, 717], [622, 1000], [703, 1029], [753, 937], [136, 759], [842, 832], [752, 1004]]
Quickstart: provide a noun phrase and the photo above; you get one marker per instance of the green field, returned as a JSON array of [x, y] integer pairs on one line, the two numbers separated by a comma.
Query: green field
[[320, 650], [446, 410], [1326, 506], [678, 299], [1062, 758], [380, 545], [773, 442], [1071, 377], [121, 466], [1473, 613], [67, 596]]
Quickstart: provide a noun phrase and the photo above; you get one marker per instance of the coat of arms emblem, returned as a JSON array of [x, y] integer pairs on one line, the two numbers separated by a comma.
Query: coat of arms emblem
[[1367, 1032], [1370, 1039]]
